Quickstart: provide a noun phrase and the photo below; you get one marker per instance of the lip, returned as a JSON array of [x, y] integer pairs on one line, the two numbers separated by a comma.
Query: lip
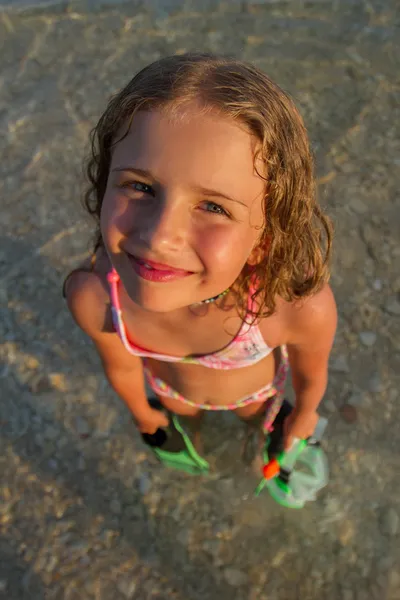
[[159, 272]]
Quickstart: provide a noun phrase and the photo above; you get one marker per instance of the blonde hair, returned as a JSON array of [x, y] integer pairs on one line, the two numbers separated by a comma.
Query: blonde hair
[[295, 243]]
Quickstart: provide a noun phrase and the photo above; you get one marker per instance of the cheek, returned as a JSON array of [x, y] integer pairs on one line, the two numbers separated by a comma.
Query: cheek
[[114, 216], [226, 249], [106, 220]]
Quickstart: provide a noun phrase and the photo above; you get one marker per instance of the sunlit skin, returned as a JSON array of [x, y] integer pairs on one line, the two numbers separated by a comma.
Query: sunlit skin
[[193, 206]]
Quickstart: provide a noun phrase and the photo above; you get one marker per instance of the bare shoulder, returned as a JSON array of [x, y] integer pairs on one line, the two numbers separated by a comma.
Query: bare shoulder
[[88, 302], [311, 320], [86, 292], [312, 317]]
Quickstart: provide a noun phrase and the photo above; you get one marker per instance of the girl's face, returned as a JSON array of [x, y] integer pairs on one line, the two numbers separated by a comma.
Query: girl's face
[[183, 208]]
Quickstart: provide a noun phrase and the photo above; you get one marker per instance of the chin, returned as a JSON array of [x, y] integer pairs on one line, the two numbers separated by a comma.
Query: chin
[[155, 301], [154, 306]]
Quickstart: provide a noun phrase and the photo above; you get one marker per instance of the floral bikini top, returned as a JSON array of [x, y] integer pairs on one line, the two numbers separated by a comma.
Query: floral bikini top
[[246, 348]]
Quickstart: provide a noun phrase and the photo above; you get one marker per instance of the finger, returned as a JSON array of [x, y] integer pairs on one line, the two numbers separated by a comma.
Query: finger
[[288, 442], [147, 429], [165, 421], [286, 424]]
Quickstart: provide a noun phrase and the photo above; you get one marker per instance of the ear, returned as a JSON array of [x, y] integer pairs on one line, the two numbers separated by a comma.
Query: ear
[[254, 257], [258, 253]]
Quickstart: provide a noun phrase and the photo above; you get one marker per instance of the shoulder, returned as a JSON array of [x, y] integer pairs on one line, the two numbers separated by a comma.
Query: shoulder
[[312, 317], [88, 300], [311, 320], [87, 296]]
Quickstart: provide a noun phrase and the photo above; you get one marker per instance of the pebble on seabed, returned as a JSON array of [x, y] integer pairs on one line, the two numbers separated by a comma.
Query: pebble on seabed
[[115, 506], [358, 398], [376, 384], [348, 413], [235, 577], [393, 307], [377, 285], [82, 426], [390, 523], [127, 587], [347, 595], [144, 484], [340, 365], [368, 338]]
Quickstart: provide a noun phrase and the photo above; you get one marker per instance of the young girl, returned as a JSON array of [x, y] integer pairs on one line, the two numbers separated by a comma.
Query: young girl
[[210, 267]]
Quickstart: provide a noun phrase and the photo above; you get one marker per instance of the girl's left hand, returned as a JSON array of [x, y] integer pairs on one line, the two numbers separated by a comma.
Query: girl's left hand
[[299, 424]]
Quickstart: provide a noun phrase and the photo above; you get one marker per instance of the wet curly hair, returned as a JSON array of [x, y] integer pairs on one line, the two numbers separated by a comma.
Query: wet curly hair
[[294, 245]]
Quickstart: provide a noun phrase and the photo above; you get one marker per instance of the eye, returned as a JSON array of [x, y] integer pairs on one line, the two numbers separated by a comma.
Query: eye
[[142, 187], [215, 208], [138, 186]]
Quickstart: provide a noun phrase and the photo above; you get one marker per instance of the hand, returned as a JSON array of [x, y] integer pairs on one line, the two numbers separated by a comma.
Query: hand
[[151, 421], [299, 424]]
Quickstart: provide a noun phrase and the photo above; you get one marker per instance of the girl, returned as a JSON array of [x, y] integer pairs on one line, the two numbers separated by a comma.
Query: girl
[[210, 267]]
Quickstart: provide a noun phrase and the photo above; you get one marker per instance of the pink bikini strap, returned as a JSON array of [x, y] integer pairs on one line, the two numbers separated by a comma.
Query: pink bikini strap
[[113, 279]]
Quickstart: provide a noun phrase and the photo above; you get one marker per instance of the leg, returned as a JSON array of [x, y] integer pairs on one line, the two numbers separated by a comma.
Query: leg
[[177, 446], [253, 415], [193, 426], [189, 416]]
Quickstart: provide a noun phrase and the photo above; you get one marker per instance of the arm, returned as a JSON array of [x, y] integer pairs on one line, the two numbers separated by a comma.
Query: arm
[[311, 334], [126, 377], [87, 302]]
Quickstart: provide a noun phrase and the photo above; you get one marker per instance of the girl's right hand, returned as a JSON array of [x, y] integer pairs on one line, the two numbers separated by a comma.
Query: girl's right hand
[[154, 419]]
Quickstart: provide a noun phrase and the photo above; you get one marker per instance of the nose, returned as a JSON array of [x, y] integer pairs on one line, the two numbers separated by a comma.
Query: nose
[[166, 226]]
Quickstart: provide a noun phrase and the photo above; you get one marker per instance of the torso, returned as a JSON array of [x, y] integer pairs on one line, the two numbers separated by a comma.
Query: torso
[[186, 334]]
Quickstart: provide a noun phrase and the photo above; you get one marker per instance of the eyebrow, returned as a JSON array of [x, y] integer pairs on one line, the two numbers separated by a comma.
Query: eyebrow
[[212, 193]]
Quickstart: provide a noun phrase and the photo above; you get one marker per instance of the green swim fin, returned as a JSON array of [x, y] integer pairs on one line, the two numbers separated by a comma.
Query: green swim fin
[[174, 449]]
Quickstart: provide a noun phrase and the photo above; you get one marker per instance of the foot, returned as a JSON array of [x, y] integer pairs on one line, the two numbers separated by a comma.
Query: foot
[[252, 450]]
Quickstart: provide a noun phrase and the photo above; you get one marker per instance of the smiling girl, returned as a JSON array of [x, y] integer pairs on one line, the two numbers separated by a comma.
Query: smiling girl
[[210, 268]]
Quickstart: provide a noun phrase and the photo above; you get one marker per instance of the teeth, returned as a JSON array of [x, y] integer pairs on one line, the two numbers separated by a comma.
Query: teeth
[[148, 266]]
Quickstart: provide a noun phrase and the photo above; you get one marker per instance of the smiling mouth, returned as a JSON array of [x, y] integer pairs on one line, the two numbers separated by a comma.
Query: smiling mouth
[[157, 272]]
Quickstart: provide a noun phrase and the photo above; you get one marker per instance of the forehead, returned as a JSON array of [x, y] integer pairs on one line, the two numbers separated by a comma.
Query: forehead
[[205, 150]]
